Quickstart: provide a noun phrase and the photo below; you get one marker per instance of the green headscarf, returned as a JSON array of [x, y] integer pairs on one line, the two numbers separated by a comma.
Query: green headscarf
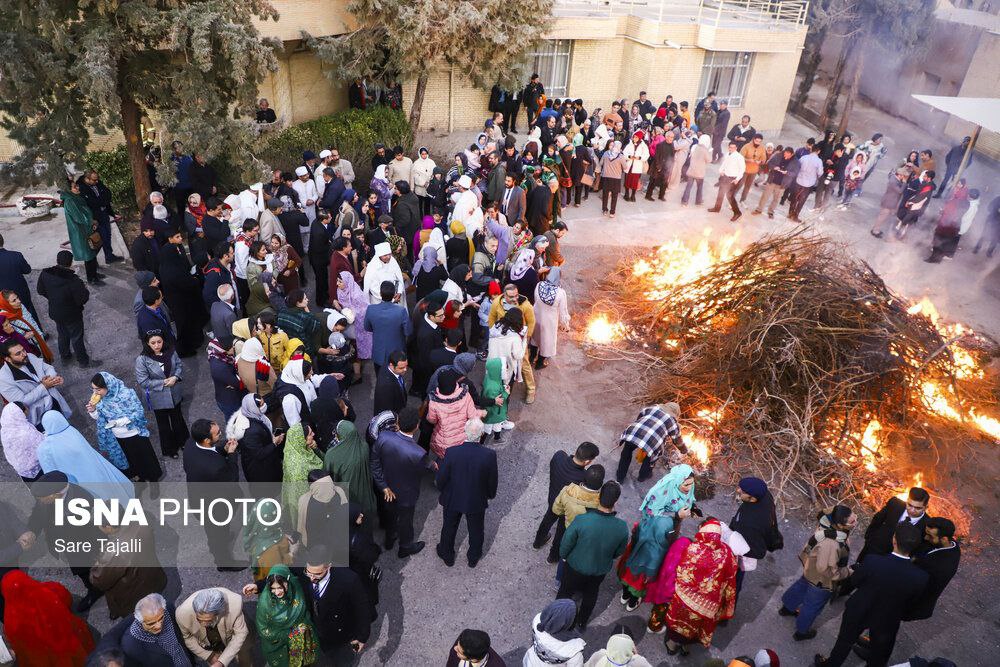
[[258, 537], [493, 380], [666, 497], [297, 462], [347, 463], [287, 634]]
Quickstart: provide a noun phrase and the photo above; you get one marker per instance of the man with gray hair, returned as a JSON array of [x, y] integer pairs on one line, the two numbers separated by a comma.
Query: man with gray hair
[[213, 628], [223, 313], [150, 638], [467, 479]]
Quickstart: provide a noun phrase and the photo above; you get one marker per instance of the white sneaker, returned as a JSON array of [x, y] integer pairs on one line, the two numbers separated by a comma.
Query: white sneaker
[[506, 425]]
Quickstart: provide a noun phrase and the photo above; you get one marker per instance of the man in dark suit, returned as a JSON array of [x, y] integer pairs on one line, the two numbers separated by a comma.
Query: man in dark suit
[[98, 197], [397, 464], [339, 606], [223, 315], [212, 472], [390, 386], [473, 648], [428, 335], [878, 536], [886, 587], [13, 269], [467, 480], [389, 324], [445, 356], [46, 489], [319, 254]]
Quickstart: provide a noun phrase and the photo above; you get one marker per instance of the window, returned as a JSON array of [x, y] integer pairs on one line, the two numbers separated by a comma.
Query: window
[[551, 61], [726, 72]]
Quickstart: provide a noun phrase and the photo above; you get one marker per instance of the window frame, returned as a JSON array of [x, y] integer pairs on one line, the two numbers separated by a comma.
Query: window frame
[[712, 74], [553, 51]]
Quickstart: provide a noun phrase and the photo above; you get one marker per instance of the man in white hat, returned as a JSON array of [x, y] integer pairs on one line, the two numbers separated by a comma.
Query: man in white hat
[[252, 201], [383, 267], [305, 187], [324, 162], [466, 202]]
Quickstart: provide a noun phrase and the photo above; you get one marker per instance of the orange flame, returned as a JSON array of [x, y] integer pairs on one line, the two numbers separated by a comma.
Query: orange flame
[[602, 331], [918, 481]]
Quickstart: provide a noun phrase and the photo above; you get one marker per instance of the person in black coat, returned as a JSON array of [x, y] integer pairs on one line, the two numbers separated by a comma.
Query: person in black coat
[[887, 585], [67, 296], [202, 176], [406, 215], [340, 608], [212, 472], [138, 653], [445, 356], [154, 316], [46, 489], [145, 250], [292, 221], [755, 520], [563, 470], [13, 269], [467, 479], [390, 384], [364, 552], [940, 562], [98, 198], [878, 536], [215, 274], [182, 292], [216, 231], [319, 254], [427, 337], [261, 451]]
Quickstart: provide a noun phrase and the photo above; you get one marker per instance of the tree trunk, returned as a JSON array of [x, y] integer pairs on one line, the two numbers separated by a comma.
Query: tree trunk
[[833, 90], [810, 66], [131, 119], [418, 100], [852, 90]]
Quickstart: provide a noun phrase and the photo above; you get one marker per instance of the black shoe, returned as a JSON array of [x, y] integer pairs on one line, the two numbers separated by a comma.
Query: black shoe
[[87, 601], [390, 542], [114, 259], [100, 276], [406, 552], [582, 627], [657, 199], [231, 568], [648, 198], [448, 560], [541, 542], [803, 636], [784, 611], [91, 363], [819, 661], [473, 562], [552, 559], [68, 358], [97, 283]]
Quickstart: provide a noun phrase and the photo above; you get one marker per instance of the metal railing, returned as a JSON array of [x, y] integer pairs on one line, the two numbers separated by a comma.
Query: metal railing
[[726, 13]]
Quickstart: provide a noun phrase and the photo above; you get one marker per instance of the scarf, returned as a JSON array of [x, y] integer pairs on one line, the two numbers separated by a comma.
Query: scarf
[[66, 450], [262, 531], [165, 357], [666, 497], [166, 641], [522, 262], [120, 401], [548, 289], [249, 409], [427, 262], [296, 463], [287, 634], [198, 212], [15, 336], [219, 353], [619, 652], [24, 322], [20, 440], [347, 462], [292, 374]]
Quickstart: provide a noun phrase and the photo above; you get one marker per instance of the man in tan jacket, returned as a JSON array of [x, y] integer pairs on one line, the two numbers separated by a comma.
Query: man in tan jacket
[[824, 566], [511, 298], [212, 626], [572, 501]]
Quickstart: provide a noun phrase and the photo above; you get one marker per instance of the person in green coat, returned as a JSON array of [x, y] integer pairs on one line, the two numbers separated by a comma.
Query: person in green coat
[[494, 388], [80, 224], [347, 463], [287, 635]]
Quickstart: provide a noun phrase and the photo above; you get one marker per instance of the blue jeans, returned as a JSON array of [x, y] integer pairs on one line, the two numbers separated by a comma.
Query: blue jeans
[[808, 599]]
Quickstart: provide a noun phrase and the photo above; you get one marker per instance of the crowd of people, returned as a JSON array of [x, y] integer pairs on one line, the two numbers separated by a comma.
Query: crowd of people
[[436, 269]]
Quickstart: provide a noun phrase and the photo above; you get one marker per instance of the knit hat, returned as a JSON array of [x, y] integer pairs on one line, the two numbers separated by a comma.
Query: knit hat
[[753, 486], [494, 288], [308, 155], [766, 658], [672, 409], [274, 202]]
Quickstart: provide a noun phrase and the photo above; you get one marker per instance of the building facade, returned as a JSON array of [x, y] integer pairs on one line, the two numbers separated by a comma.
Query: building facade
[[598, 50]]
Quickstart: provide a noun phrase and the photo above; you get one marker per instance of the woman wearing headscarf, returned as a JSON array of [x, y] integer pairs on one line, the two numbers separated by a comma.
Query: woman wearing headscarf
[[121, 421], [539, 208], [551, 314], [474, 152], [39, 623], [9, 333], [349, 295], [583, 165], [229, 389], [182, 292], [428, 272], [23, 322], [496, 393], [612, 171], [508, 343], [363, 552], [554, 640], [65, 450], [287, 635], [347, 462], [260, 448], [457, 288], [460, 248], [330, 407], [946, 233], [380, 186], [297, 390], [80, 224], [437, 192], [667, 503], [20, 440], [158, 370], [636, 160], [260, 262], [422, 173], [660, 592], [253, 368], [285, 264], [620, 652], [523, 272], [300, 457], [704, 592]]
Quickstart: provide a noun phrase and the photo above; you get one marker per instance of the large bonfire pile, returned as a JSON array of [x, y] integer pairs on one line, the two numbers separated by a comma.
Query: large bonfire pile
[[794, 359]]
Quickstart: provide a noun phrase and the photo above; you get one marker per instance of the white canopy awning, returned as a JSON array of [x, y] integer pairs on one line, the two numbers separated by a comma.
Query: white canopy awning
[[982, 111]]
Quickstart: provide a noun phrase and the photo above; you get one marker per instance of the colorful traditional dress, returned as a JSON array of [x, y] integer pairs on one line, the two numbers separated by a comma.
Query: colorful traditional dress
[[351, 296], [264, 540], [298, 460], [287, 634]]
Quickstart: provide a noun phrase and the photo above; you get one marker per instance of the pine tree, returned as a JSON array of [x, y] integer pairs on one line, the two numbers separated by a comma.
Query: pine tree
[[73, 68], [486, 41]]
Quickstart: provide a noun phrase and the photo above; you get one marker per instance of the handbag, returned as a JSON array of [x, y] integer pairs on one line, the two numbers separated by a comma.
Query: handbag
[[597, 183], [587, 180], [94, 240]]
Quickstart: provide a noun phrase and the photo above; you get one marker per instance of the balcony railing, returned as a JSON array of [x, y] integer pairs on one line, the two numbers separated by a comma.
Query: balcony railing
[[719, 13]]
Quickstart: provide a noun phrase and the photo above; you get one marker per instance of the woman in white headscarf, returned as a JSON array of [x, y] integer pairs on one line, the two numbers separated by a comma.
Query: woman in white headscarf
[[380, 185], [383, 267], [620, 652], [298, 373]]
